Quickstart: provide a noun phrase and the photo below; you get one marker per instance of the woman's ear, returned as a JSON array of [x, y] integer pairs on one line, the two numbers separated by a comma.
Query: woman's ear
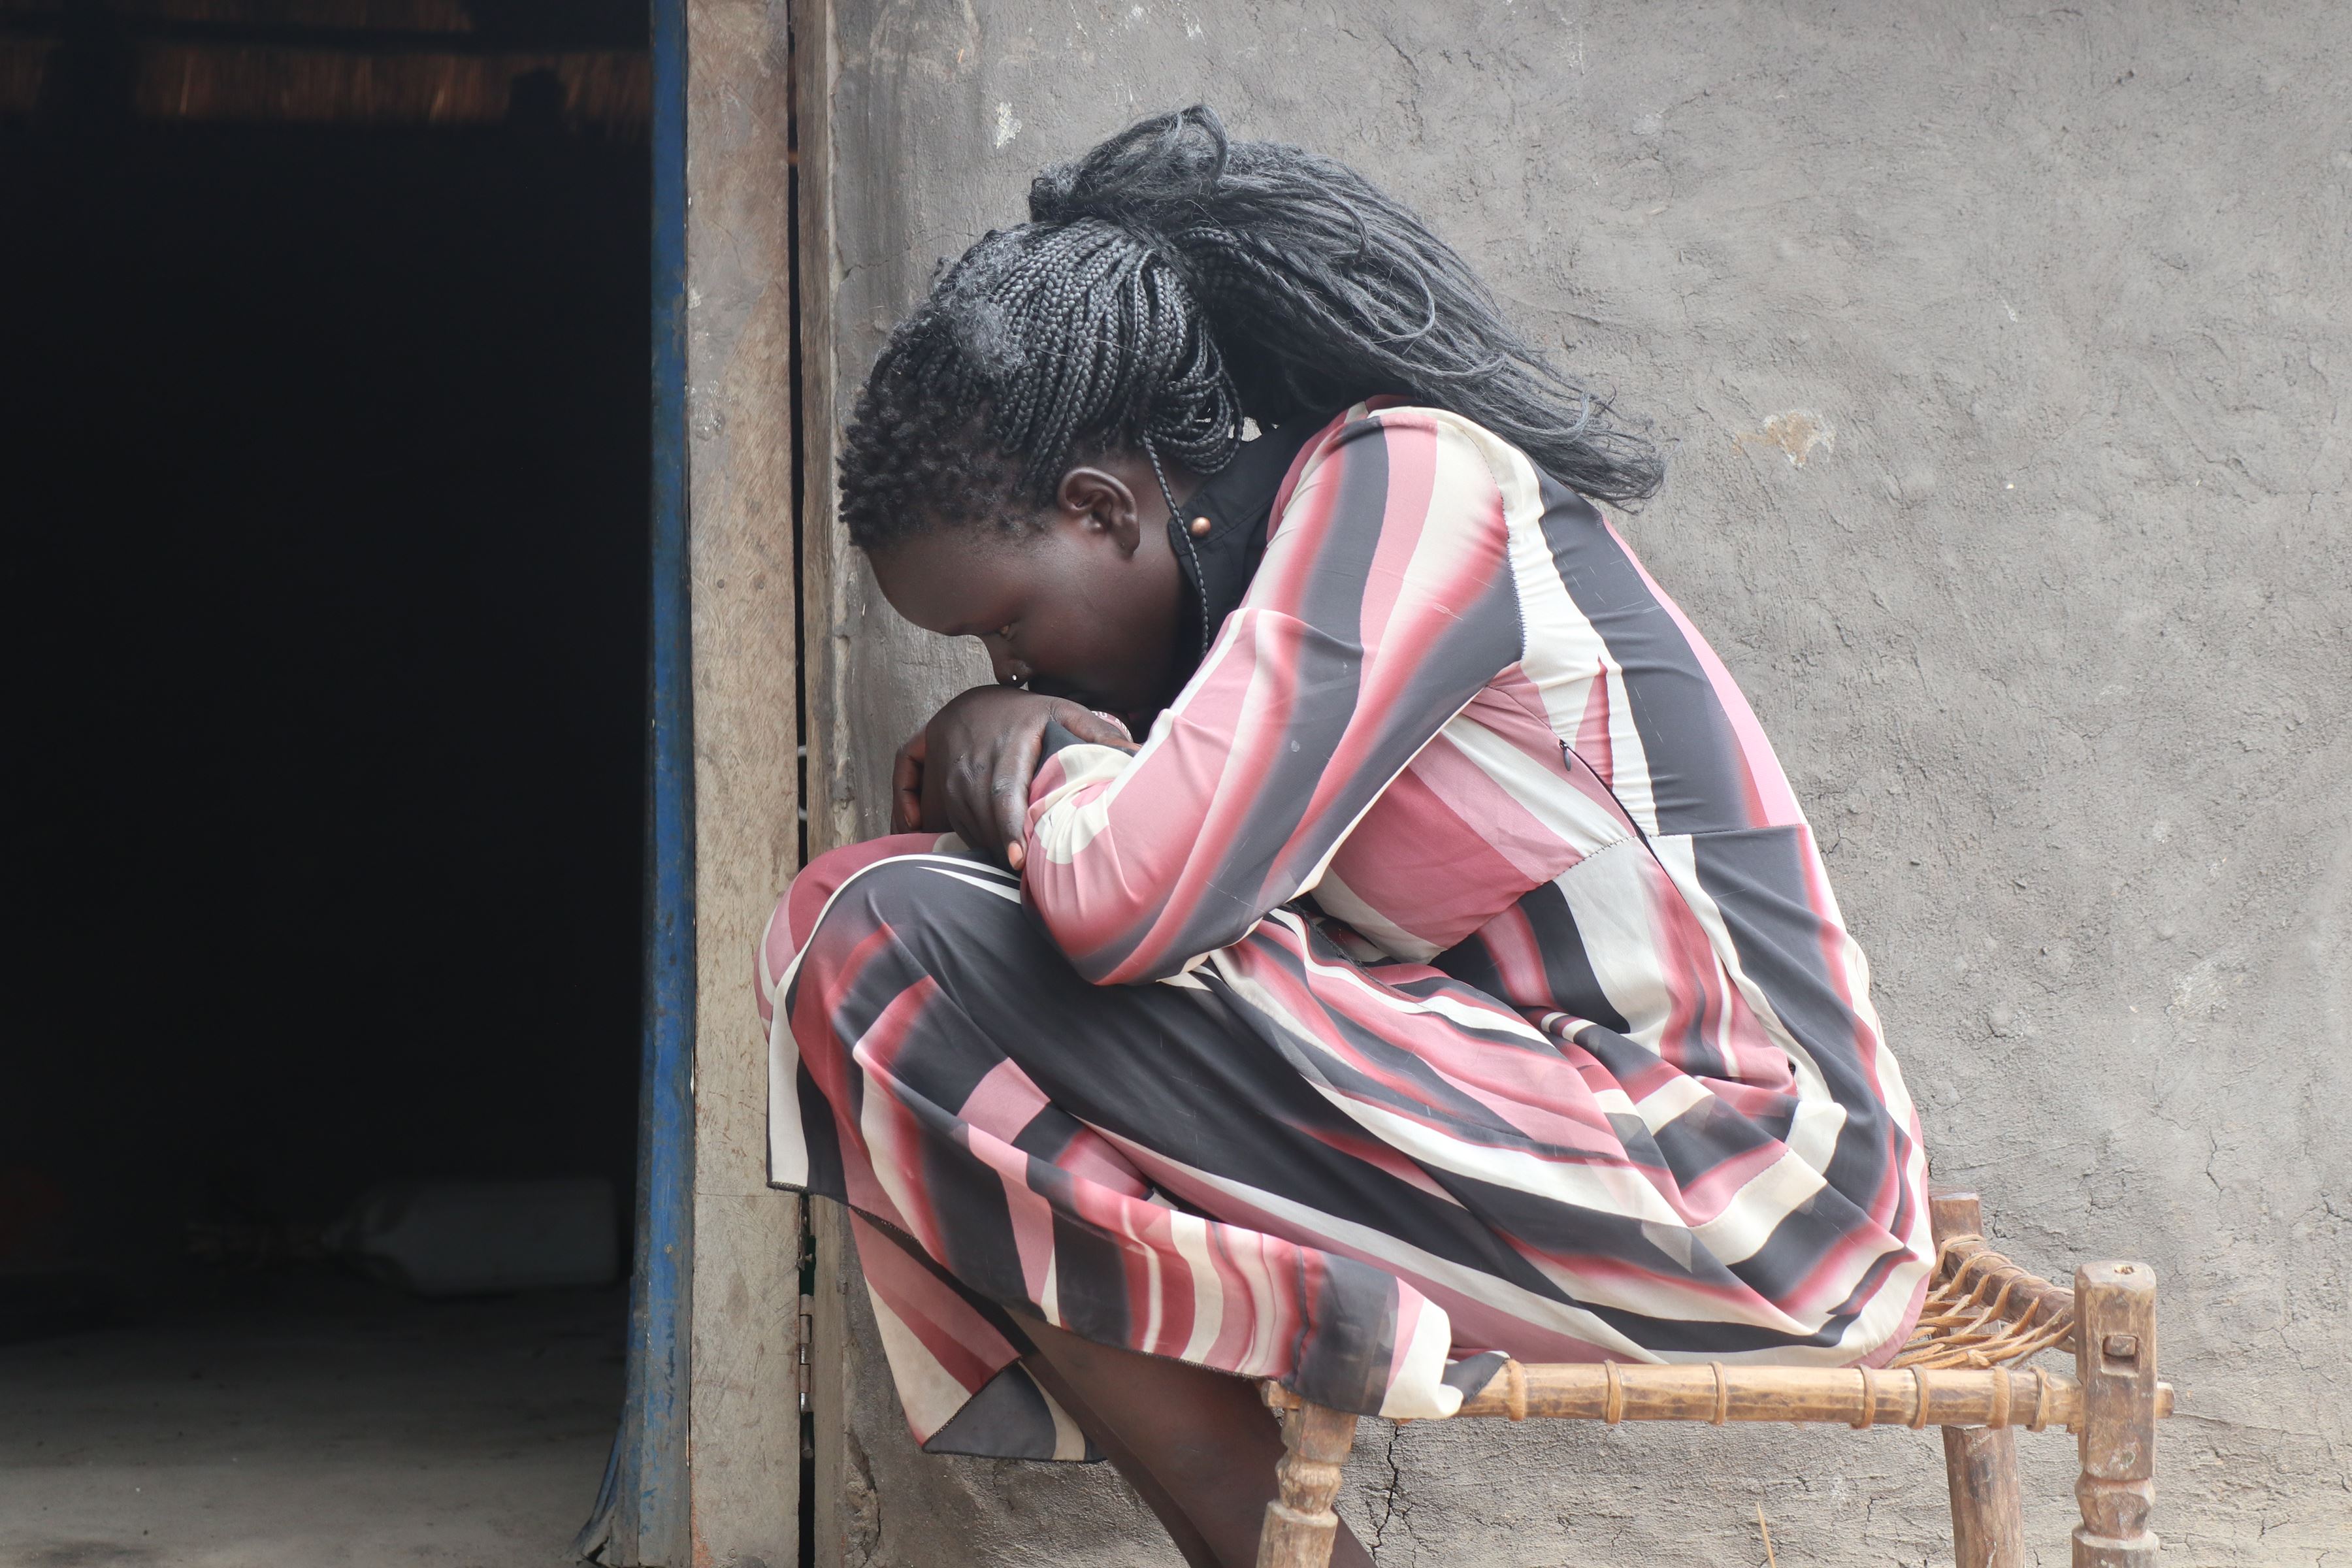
[[1100, 503]]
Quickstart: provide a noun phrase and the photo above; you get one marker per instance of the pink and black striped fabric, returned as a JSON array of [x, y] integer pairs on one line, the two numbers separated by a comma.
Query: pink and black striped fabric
[[1451, 973]]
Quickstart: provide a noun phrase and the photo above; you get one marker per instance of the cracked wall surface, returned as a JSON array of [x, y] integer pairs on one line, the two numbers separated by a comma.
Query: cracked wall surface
[[2004, 352]]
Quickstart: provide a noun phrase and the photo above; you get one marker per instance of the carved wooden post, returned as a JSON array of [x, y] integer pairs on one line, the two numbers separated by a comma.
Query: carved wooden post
[[2114, 1357], [1299, 1523], [1979, 1462]]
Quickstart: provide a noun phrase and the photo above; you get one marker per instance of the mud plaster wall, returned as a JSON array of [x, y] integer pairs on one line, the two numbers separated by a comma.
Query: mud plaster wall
[[2005, 353]]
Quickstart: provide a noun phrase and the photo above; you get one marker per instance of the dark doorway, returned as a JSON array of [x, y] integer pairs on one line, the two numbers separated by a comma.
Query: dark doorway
[[327, 488]]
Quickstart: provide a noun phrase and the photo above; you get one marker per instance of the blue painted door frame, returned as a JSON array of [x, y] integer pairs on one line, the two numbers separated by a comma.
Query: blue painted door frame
[[641, 1513]]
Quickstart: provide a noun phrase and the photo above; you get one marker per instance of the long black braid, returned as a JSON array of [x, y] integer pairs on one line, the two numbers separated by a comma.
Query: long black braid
[[1168, 284]]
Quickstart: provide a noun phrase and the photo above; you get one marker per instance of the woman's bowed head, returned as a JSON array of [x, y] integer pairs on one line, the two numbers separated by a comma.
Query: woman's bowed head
[[1017, 465], [1507, 1011]]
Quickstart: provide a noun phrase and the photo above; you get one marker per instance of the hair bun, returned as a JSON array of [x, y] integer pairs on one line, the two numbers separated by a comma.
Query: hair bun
[[1050, 192], [1156, 174]]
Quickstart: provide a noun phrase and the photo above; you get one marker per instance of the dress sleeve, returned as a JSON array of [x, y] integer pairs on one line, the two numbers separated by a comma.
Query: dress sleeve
[[1384, 604]]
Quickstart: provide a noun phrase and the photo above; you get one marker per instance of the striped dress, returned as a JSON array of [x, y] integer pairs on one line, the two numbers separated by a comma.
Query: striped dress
[[1450, 974]]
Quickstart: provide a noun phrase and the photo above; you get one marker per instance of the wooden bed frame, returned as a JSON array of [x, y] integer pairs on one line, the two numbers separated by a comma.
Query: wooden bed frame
[[1960, 1371]]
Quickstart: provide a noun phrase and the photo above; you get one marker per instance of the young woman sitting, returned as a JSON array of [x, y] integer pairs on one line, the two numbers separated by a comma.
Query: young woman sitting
[[1364, 933]]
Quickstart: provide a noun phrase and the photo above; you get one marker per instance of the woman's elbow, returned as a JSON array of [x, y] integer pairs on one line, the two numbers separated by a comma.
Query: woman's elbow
[[1105, 942]]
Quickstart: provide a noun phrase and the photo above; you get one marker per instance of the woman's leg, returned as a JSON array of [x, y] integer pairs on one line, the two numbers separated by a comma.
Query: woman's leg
[[1173, 1518], [977, 1094], [1195, 1441]]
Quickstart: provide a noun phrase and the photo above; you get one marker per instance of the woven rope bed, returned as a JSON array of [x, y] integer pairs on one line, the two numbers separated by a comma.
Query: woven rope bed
[[1962, 1370]]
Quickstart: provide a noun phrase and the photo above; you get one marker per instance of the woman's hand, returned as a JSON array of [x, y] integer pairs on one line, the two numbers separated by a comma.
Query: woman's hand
[[915, 804], [970, 770]]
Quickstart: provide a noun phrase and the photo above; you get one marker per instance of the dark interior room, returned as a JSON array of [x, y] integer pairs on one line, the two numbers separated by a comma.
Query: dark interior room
[[328, 480]]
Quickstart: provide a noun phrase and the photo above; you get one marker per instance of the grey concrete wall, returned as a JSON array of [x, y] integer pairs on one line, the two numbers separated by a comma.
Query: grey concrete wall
[[2005, 350]]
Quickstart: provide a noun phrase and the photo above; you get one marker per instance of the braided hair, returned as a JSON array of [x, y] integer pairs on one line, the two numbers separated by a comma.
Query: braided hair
[[1168, 284]]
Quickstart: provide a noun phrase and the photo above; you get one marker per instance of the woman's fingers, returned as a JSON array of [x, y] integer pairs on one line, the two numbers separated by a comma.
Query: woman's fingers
[[988, 796], [1015, 766], [965, 797], [988, 743], [1092, 727], [907, 784]]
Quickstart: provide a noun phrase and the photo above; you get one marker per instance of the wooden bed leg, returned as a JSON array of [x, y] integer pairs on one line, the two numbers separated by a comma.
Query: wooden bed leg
[[1980, 1463], [1987, 1515], [1299, 1524], [2114, 1359]]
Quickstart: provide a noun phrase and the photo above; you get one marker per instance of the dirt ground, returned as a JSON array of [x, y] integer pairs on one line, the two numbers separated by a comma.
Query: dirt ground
[[320, 1423]]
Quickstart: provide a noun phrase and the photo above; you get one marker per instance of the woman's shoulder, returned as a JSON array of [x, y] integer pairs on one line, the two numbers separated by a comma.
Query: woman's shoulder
[[1394, 420], [1396, 414], [1427, 443]]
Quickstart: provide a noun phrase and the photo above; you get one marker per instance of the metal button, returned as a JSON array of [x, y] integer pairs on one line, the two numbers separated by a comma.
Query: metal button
[[1201, 526]]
